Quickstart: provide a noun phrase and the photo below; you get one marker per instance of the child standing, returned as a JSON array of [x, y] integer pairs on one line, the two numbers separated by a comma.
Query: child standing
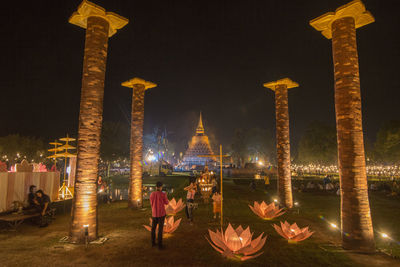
[[216, 204], [190, 200]]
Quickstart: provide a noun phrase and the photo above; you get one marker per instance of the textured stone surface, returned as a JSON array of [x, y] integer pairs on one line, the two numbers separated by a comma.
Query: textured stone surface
[[84, 209], [283, 145], [136, 146], [357, 230]]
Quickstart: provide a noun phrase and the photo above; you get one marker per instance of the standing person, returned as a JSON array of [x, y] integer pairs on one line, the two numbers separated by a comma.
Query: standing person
[[214, 186], [216, 204], [158, 200], [190, 200], [104, 192], [252, 186], [266, 182]]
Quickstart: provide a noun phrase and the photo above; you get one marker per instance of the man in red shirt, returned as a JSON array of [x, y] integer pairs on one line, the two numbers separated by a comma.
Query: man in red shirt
[[158, 200]]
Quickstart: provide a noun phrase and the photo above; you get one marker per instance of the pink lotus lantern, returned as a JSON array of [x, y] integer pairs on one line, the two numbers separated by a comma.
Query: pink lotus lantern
[[42, 168], [236, 243], [170, 225], [266, 212], [174, 207], [292, 232]]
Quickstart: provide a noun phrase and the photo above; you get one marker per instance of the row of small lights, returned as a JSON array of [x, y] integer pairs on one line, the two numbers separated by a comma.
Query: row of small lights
[[5, 157], [393, 170]]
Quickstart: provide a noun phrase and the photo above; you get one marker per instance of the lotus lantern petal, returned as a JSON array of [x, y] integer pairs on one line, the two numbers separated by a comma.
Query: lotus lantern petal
[[170, 225], [173, 207], [292, 232], [236, 243], [266, 212]]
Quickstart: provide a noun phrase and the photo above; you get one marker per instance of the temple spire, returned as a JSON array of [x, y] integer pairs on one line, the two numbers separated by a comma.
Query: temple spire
[[200, 128]]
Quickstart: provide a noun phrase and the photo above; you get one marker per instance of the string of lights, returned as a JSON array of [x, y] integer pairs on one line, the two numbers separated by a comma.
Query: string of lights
[[372, 170]]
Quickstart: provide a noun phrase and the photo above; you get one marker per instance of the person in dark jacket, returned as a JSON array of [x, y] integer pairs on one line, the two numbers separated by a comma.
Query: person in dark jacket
[[32, 197], [43, 207]]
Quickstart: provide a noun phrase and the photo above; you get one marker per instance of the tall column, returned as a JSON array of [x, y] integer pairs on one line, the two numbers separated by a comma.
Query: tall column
[[99, 26], [282, 138], [138, 86], [357, 230]]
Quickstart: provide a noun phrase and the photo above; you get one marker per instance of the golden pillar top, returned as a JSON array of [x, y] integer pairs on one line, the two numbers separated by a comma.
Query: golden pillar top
[[87, 9], [354, 9], [285, 81], [138, 81]]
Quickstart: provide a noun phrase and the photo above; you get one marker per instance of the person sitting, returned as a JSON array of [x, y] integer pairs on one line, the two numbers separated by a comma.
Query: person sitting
[[337, 185], [310, 185], [320, 186], [373, 187], [395, 186], [301, 187], [32, 197], [329, 187], [33, 204], [326, 180], [43, 207]]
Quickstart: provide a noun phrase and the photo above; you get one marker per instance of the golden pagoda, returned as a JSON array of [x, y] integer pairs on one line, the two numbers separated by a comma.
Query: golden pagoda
[[199, 145]]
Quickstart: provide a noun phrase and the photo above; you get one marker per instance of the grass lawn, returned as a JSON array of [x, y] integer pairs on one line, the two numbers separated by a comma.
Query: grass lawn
[[129, 242]]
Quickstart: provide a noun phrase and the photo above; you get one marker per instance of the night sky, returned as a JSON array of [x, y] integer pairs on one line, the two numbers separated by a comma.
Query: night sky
[[211, 55]]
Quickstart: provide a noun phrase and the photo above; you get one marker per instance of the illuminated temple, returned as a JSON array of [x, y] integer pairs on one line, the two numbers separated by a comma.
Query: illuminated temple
[[199, 145]]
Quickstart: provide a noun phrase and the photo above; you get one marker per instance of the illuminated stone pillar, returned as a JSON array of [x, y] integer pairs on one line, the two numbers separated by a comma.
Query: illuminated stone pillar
[[282, 138], [357, 230], [139, 86], [99, 25]]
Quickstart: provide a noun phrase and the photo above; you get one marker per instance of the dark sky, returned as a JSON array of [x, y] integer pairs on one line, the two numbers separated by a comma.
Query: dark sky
[[210, 55]]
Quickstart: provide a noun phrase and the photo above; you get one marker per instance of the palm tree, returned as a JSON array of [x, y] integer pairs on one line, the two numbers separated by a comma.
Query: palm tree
[[84, 208], [139, 86], [282, 138], [283, 146], [357, 230], [136, 147]]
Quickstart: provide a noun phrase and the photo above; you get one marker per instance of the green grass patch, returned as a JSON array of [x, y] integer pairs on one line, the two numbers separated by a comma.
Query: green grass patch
[[129, 242]]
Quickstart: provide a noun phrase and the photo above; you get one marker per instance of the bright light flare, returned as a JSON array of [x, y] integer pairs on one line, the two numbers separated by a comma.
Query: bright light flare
[[151, 158], [384, 235], [333, 225]]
